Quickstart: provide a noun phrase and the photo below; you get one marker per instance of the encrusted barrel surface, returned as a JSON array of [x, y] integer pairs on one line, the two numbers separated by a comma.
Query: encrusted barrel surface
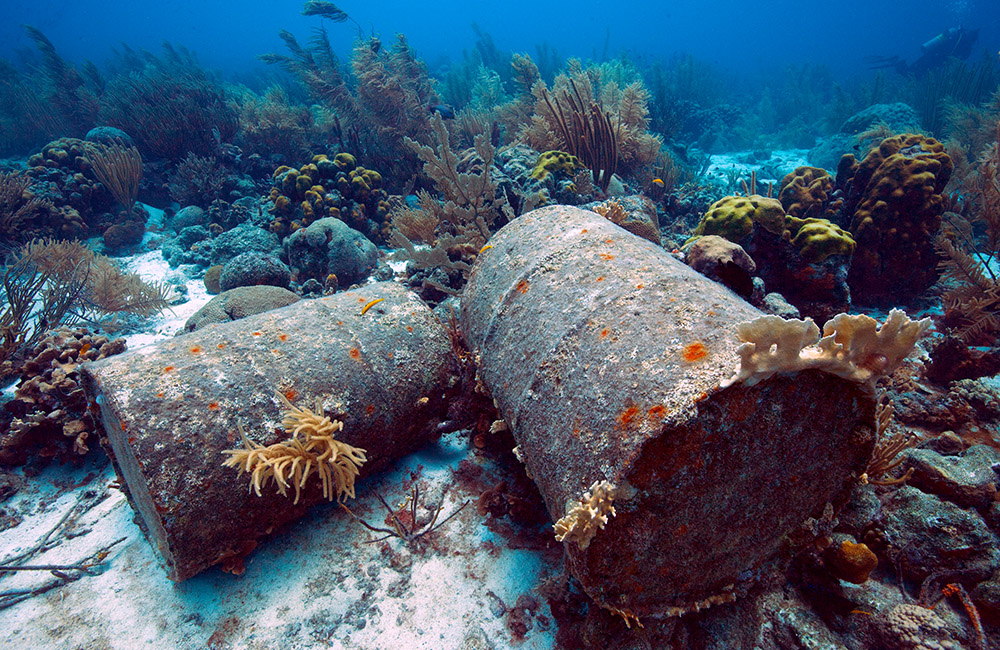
[[605, 354], [171, 409]]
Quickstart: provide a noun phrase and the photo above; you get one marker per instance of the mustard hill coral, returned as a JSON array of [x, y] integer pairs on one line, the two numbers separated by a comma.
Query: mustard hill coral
[[817, 239], [291, 462], [329, 188], [895, 196], [553, 162], [733, 217], [806, 192]]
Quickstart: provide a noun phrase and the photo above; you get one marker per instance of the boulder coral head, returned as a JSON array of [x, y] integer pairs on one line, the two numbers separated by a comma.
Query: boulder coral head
[[895, 198]]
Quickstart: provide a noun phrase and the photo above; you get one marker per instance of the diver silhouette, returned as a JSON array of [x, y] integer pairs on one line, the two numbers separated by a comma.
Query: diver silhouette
[[955, 42]]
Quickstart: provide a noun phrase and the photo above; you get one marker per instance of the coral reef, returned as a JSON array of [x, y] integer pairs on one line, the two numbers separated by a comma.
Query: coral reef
[[50, 415], [723, 261], [330, 247], [272, 127], [555, 162], [817, 239], [803, 259], [472, 208], [894, 197], [47, 282], [199, 180], [590, 115], [25, 216], [388, 103], [733, 217], [972, 302], [63, 174], [169, 107], [329, 188]]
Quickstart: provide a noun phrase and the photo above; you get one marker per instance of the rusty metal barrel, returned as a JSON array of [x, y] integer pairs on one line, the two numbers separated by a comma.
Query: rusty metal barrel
[[605, 355], [383, 368]]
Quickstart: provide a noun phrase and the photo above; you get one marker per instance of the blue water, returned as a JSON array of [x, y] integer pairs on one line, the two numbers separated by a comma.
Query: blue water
[[750, 37]]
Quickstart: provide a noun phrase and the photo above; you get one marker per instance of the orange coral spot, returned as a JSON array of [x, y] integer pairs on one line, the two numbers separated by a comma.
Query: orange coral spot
[[160, 394], [370, 409], [355, 353], [522, 286], [600, 278], [258, 333], [340, 322], [282, 337], [123, 426], [195, 349], [213, 406], [638, 286], [168, 369], [694, 351], [626, 417], [606, 256], [584, 230], [290, 394], [409, 328], [604, 332], [658, 411], [609, 241], [221, 346]]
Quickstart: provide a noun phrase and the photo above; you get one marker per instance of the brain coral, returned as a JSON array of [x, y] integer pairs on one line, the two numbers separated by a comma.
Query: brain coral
[[894, 195]]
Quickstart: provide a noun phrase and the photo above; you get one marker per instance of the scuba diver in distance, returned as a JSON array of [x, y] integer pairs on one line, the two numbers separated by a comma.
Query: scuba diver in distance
[[954, 42]]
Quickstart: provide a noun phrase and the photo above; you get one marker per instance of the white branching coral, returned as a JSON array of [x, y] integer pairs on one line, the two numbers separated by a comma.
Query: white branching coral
[[583, 520], [852, 347], [312, 447]]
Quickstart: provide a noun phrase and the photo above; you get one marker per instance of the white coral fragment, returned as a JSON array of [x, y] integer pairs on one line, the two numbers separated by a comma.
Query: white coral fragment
[[583, 520], [852, 347]]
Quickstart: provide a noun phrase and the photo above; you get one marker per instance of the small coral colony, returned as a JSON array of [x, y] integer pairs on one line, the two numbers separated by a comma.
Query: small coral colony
[[806, 197]]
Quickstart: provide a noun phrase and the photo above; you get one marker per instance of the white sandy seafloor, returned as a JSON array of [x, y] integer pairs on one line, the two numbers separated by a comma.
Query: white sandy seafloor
[[316, 584], [770, 171]]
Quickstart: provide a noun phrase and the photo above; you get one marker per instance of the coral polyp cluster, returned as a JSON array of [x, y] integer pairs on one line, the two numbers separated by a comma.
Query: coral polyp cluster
[[328, 188]]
